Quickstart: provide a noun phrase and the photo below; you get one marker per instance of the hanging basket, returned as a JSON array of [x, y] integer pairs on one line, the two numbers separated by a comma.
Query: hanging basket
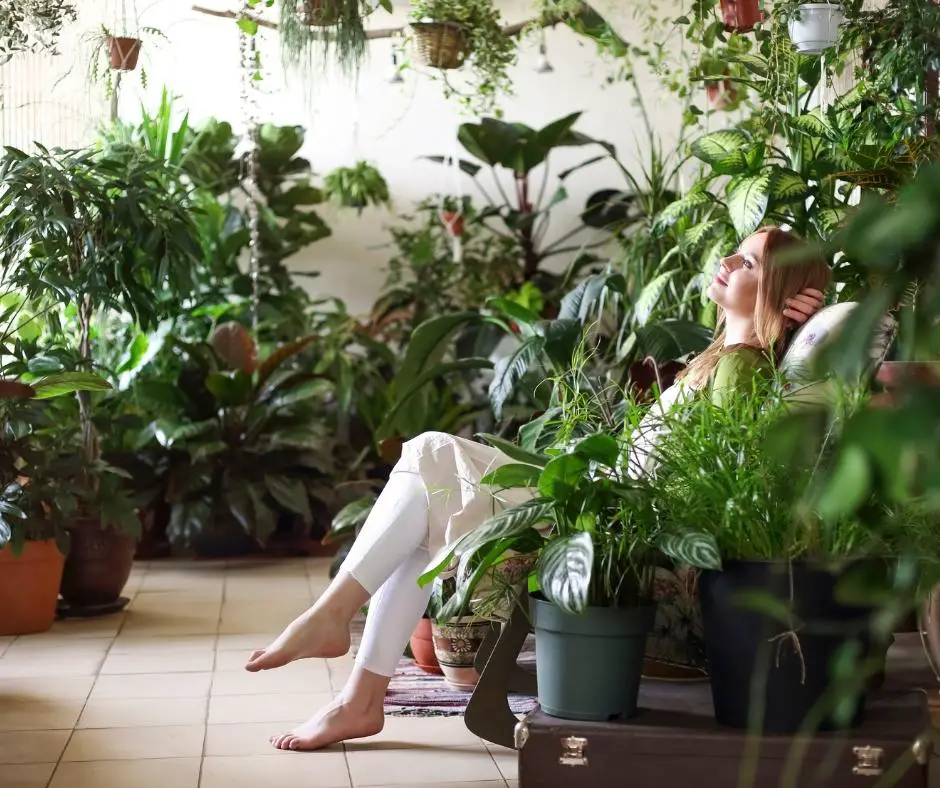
[[125, 52], [440, 44], [740, 16], [319, 13], [815, 28]]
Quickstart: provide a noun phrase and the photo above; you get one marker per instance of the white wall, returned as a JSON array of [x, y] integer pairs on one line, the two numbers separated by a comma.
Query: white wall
[[391, 125]]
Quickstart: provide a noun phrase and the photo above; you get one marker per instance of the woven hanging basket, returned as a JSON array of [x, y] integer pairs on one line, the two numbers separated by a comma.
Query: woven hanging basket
[[440, 44], [319, 13]]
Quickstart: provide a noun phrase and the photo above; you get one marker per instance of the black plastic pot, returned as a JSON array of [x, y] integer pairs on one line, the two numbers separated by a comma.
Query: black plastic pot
[[589, 666], [754, 662]]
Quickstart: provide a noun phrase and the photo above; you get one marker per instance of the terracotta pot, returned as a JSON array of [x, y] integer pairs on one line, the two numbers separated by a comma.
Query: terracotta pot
[[29, 587], [456, 646], [453, 221], [721, 93], [98, 564], [740, 15], [422, 646], [124, 52]]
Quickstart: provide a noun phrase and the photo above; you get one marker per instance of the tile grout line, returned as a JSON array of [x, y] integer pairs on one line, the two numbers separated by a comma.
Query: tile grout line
[[97, 675], [215, 662]]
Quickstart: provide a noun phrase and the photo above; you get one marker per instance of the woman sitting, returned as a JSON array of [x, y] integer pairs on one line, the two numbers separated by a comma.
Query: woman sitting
[[434, 496]]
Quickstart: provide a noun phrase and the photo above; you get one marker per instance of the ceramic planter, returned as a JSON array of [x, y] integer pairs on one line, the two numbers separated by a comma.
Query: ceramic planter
[[740, 15], [753, 661], [589, 666], [422, 647], [29, 587], [98, 565], [815, 28], [456, 644], [124, 52]]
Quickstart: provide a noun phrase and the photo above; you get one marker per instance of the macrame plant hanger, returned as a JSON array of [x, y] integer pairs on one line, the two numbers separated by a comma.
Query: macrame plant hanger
[[248, 50]]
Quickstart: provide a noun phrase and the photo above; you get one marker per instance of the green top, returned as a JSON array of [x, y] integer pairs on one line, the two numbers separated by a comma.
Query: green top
[[736, 371]]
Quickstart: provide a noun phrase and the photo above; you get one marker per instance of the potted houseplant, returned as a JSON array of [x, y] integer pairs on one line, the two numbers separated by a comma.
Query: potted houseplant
[[814, 27], [249, 448], [33, 504], [141, 245], [356, 187], [594, 538], [448, 33], [776, 560], [453, 213]]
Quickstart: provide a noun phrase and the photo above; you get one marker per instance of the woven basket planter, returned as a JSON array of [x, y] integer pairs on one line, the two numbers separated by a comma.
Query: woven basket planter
[[440, 44]]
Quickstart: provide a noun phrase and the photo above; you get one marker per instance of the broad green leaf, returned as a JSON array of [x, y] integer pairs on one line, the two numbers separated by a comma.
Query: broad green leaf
[[786, 185], [648, 299], [848, 485], [561, 476], [291, 494], [669, 340], [815, 126], [680, 208], [348, 519], [506, 524], [599, 447], [68, 383], [509, 371], [513, 475], [733, 163], [564, 571], [229, 388], [430, 341], [695, 549], [747, 202], [716, 146], [515, 452]]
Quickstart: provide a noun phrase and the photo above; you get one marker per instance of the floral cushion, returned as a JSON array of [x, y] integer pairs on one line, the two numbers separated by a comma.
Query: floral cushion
[[822, 327]]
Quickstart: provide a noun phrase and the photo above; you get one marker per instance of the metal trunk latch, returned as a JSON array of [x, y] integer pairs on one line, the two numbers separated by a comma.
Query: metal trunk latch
[[572, 751], [868, 761], [520, 734]]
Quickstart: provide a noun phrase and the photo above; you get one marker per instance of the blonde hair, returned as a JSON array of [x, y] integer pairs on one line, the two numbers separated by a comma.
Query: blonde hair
[[777, 282]]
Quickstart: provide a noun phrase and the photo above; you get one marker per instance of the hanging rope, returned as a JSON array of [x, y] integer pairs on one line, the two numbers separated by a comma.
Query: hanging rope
[[249, 63], [453, 220]]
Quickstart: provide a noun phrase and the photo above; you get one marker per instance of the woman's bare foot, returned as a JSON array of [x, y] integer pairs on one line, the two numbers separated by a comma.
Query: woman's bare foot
[[322, 631], [337, 722], [311, 634]]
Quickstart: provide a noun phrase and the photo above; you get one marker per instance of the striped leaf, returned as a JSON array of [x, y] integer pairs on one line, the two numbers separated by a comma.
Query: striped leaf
[[692, 548], [564, 571], [716, 146]]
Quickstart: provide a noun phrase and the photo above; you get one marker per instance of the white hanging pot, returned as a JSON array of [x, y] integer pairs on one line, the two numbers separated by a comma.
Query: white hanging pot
[[815, 27]]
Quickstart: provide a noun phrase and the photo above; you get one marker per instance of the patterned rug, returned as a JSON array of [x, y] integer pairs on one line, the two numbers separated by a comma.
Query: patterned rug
[[414, 693]]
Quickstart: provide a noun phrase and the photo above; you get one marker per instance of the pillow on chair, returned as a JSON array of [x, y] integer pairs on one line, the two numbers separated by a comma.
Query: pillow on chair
[[824, 326]]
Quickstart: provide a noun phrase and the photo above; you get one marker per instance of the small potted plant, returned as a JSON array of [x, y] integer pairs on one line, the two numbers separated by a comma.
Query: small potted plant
[[814, 27], [113, 55], [453, 213], [448, 33], [594, 537], [357, 187]]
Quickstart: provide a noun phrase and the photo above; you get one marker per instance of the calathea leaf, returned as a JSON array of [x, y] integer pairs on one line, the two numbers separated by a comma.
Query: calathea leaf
[[747, 202], [510, 370], [692, 548], [507, 523], [564, 571]]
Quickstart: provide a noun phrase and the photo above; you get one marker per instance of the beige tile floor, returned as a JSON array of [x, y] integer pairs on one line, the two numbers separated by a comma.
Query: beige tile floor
[[156, 697]]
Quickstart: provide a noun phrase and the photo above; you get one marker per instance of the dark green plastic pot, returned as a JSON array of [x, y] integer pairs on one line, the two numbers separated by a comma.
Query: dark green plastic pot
[[589, 666]]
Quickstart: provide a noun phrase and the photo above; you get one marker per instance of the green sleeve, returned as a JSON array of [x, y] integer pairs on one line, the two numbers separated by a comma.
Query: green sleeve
[[736, 372]]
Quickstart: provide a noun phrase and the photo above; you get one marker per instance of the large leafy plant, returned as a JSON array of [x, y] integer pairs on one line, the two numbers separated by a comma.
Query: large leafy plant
[[524, 212], [249, 448]]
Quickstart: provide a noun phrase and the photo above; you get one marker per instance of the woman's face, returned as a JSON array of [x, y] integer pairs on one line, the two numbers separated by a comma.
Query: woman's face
[[734, 287]]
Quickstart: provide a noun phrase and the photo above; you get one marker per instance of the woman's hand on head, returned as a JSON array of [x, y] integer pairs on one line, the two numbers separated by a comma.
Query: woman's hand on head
[[803, 306]]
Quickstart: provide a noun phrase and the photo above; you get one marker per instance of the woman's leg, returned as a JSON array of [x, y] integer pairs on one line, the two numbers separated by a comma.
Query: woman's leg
[[392, 542], [359, 710]]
